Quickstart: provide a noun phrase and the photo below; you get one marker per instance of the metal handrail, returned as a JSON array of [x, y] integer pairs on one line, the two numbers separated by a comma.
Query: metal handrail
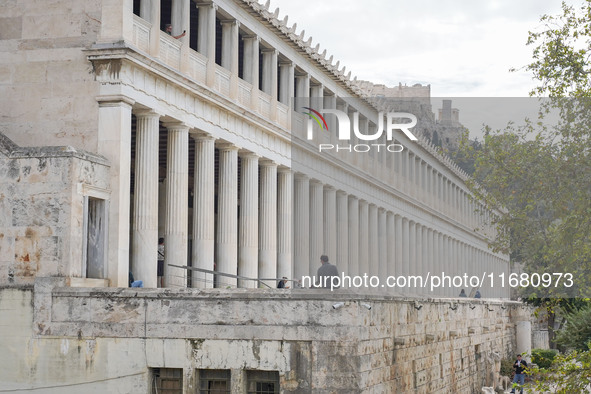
[[260, 280]]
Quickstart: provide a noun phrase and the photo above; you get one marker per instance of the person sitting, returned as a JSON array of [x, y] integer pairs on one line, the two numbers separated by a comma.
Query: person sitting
[[462, 293], [168, 30], [135, 283], [282, 283]]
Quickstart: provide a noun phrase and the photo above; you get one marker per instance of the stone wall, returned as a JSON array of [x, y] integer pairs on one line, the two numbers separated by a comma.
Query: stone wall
[[105, 338], [41, 209], [47, 87]]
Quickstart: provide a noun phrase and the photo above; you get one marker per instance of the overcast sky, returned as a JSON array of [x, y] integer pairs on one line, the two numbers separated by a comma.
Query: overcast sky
[[460, 47]]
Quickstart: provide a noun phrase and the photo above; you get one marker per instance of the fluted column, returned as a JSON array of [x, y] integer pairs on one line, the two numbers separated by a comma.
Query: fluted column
[[391, 243], [374, 259], [268, 222], [398, 261], [203, 210], [248, 227], [330, 223], [342, 255], [144, 246], [284, 223], [316, 225], [405, 247], [301, 247], [206, 38], [382, 244], [227, 221], [286, 88], [250, 66], [353, 237], [363, 237], [177, 204], [419, 250], [230, 53]]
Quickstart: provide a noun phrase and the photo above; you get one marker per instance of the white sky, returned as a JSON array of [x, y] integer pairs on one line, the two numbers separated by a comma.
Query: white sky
[[460, 47]]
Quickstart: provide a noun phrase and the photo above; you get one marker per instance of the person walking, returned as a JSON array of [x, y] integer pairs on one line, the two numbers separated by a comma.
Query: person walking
[[519, 366]]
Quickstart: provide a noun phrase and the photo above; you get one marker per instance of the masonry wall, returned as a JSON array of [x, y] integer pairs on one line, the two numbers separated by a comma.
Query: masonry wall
[[41, 211], [47, 87], [102, 339]]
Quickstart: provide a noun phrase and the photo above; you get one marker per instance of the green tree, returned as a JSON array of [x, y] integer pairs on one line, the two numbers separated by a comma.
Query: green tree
[[539, 175]]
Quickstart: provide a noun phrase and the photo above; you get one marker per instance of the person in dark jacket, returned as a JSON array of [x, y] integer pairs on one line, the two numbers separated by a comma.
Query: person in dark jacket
[[326, 272], [519, 366]]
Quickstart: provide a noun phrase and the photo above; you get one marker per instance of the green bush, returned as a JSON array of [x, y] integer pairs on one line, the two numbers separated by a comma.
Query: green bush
[[577, 331], [507, 367], [543, 357]]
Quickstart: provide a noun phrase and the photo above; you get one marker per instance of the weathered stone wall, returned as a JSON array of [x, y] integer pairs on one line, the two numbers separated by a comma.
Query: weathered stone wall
[[41, 210], [47, 87], [106, 338]]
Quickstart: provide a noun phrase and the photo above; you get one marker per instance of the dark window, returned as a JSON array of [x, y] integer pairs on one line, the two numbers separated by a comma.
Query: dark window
[[167, 381], [214, 381], [262, 382]]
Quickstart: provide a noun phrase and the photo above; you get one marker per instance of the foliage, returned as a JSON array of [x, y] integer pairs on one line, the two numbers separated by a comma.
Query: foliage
[[577, 332], [507, 367], [570, 373], [543, 358]]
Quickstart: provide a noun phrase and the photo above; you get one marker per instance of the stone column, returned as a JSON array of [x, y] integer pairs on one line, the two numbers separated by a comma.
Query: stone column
[[248, 227], [203, 210], [353, 237], [342, 254], [144, 247], [374, 259], [150, 11], [419, 251], [382, 244], [316, 225], [268, 222], [269, 81], [412, 248], [301, 234], [114, 143], [399, 258], [227, 226], [230, 53], [206, 38], [330, 223], [363, 237], [286, 88], [405, 247], [302, 91], [317, 97], [391, 238], [284, 223], [251, 67], [177, 205]]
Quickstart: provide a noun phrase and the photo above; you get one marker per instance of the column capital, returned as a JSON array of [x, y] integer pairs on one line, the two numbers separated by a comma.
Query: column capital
[[283, 169], [203, 136], [264, 162], [114, 100], [246, 154], [146, 113], [316, 182], [251, 37], [175, 125], [329, 187], [381, 210], [284, 63], [227, 146], [206, 4], [301, 176], [353, 197], [269, 50], [342, 192], [230, 21]]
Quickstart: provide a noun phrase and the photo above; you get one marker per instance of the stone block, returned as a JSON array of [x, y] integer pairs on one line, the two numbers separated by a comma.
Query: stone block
[[11, 28]]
